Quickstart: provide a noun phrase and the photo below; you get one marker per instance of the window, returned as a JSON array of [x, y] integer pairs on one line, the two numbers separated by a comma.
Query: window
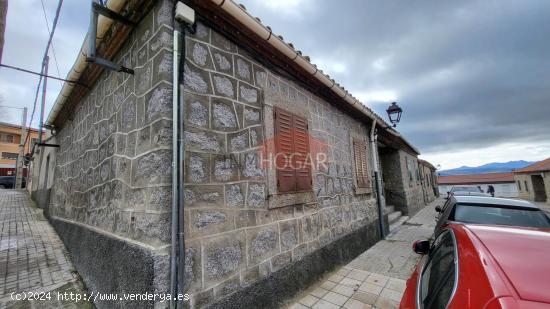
[[526, 186], [292, 158], [361, 163], [409, 170], [9, 155], [7, 138], [500, 215], [519, 185], [439, 273]]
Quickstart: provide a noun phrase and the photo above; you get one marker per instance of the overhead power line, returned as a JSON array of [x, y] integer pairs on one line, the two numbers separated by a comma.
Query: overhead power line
[[53, 49], [40, 74]]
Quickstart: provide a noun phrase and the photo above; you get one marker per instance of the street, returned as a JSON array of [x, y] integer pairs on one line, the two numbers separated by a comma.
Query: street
[[32, 257], [376, 278]]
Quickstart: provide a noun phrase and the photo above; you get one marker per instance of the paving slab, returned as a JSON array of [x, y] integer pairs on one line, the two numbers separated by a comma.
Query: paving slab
[[33, 258]]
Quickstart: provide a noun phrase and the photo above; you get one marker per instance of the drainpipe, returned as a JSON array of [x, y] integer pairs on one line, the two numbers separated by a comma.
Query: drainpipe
[[374, 148], [184, 18], [175, 172]]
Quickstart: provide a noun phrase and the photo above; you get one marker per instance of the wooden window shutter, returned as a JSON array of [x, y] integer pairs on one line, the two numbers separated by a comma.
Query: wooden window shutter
[[361, 164], [301, 151], [292, 149]]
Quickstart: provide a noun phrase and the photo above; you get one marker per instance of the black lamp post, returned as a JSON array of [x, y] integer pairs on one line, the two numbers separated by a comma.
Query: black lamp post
[[394, 113]]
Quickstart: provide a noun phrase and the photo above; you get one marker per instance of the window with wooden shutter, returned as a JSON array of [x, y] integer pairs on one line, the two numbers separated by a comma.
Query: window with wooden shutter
[[361, 163], [291, 152]]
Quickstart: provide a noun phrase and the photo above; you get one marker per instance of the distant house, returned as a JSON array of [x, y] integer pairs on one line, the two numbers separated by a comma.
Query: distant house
[[10, 138], [533, 181], [502, 182], [428, 179]]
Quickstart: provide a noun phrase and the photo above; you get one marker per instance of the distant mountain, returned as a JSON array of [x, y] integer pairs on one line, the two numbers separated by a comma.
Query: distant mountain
[[495, 167]]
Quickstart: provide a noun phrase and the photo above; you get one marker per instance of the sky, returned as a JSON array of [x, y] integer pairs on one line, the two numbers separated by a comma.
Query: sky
[[472, 77]]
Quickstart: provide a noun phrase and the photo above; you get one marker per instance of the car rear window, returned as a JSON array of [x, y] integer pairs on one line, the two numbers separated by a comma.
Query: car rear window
[[466, 189], [500, 215]]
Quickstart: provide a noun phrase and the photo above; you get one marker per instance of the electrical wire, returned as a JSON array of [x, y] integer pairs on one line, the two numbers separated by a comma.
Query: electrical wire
[[55, 20], [53, 49]]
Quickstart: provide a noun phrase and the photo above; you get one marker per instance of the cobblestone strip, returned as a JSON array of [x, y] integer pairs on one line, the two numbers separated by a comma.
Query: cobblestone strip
[[32, 256], [376, 278]]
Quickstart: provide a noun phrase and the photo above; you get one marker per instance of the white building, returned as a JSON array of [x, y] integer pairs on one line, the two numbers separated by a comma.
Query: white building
[[503, 183]]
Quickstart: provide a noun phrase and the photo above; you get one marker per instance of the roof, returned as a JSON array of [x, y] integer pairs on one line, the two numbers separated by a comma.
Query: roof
[[541, 166], [7, 124], [475, 179], [426, 163], [251, 28], [519, 257], [494, 201]]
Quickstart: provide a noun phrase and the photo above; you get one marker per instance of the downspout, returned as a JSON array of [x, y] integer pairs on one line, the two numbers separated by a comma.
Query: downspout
[[374, 148], [175, 172]]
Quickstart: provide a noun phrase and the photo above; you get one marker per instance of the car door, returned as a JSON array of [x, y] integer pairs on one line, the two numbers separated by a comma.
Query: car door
[[443, 216], [439, 278]]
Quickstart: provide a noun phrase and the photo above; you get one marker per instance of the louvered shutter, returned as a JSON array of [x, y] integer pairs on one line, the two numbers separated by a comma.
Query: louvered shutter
[[301, 151], [284, 147], [361, 164]]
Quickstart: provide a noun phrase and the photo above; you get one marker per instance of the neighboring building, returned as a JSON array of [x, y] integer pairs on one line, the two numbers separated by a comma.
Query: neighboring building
[[10, 137], [428, 178], [533, 181], [278, 172], [502, 182]]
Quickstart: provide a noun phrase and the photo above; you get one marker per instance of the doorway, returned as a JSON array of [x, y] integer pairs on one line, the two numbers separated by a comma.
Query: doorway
[[538, 188]]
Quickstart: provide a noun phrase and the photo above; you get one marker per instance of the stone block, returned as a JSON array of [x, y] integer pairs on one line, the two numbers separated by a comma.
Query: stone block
[[299, 252], [202, 33], [234, 195], [135, 199], [131, 144], [160, 199], [143, 142], [227, 287], [123, 168], [199, 54], [279, 261], [193, 267], [196, 80], [260, 77], [222, 61], [123, 221], [224, 168], [245, 218], [256, 136], [238, 141], [256, 195], [143, 77], [158, 103], [153, 228], [223, 115], [311, 225], [249, 94], [224, 86], [204, 141], [204, 195], [211, 221], [127, 115], [154, 167], [252, 116], [162, 67], [289, 234], [197, 166], [161, 134], [262, 242], [197, 110], [250, 165], [163, 39], [243, 69], [223, 256]]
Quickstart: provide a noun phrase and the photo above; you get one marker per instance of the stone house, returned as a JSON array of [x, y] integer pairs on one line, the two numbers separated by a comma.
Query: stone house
[[259, 181], [428, 179], [533, 181]]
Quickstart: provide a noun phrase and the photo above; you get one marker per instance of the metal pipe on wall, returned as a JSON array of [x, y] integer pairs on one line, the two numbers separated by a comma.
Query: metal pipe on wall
[[374, 149]]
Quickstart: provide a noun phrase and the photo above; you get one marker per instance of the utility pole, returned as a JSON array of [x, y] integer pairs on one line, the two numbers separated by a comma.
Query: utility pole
[[44, 86], [20, 158]]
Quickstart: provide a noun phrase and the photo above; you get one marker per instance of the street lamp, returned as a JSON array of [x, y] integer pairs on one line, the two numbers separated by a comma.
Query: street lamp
[[394, 113]]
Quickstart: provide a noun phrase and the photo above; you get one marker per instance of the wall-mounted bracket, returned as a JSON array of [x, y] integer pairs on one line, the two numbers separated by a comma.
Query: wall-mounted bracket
[[99, 9]]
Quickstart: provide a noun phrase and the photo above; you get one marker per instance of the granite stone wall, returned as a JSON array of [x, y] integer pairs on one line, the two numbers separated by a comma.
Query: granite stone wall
[[112, 175], [239, 229]]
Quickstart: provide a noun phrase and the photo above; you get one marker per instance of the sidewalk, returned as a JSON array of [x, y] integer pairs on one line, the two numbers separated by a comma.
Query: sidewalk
[[32, 256], [376, 278]]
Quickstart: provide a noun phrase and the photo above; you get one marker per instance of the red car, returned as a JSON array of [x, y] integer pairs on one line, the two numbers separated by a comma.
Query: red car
[[482, 266]]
